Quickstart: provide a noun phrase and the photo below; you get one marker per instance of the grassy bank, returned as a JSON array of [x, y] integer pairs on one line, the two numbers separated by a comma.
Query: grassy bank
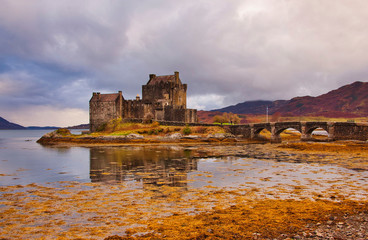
[[118, 127]]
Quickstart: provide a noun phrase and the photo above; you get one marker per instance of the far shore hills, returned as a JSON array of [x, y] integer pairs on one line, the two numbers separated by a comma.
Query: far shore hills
[[6, 125], [347, 102]]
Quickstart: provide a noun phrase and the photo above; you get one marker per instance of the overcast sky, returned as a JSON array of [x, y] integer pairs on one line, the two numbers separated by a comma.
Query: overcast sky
[[54, 54]]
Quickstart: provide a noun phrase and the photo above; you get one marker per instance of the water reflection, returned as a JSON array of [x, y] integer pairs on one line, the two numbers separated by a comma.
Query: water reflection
[[149, 165]]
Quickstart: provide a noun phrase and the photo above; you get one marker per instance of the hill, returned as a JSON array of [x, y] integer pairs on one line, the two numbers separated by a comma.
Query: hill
[[41, 128], [4, 124], [347, 101], [80, 126]]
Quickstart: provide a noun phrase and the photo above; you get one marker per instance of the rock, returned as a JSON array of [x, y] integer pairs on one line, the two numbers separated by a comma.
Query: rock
[[111, 137], [61, 132], [220, 135], [191, 137], [174, 136], [134, 136]]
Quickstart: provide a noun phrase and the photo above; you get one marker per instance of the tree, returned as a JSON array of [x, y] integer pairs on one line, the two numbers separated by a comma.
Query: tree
[[227, 118], [276, 117], [234, 118], [219, 119]]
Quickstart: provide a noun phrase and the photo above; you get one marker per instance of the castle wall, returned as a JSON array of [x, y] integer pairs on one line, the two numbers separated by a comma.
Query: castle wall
[[151, 93], [179, 96], [191, 115], [138, 109], [180, 115], [101, 112], [174, 114], [175, 94]]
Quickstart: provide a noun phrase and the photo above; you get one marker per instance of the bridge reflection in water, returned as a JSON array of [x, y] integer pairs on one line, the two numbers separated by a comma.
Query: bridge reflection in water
[[149, 165]]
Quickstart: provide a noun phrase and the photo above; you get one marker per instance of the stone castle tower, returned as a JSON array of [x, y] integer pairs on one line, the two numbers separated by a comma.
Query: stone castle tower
[[164, 98]]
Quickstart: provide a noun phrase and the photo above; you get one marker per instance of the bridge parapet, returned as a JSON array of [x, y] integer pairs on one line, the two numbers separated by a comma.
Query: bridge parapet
[[244, 130], [281, 126], [347, 131], [335, 130]]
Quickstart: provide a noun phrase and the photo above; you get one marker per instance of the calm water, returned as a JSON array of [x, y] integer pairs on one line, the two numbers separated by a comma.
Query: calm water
[[23, 161]]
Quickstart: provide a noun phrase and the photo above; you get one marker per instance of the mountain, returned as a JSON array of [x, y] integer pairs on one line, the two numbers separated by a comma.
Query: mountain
[[4, 124], [253, 107], [80, 126], [347, 101], [41, 128]]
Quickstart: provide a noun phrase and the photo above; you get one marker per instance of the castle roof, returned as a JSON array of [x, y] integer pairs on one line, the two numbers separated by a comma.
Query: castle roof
[[110, 97], [166, 78], [158, 79]]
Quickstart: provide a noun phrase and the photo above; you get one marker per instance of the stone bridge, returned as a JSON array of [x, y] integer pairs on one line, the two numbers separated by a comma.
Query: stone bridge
[[335, 130]]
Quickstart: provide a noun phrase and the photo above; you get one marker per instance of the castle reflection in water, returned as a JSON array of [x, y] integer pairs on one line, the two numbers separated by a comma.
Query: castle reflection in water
[[150, 165]]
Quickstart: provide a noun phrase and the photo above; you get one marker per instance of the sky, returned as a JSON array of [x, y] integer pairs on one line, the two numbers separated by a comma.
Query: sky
[[54, 54]]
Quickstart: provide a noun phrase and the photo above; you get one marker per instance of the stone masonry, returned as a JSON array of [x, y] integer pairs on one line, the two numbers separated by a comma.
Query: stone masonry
[[164, 98]]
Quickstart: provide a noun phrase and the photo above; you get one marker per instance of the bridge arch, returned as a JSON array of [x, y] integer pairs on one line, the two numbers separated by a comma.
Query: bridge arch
[[310, 130], [258, 128], [309, 127], [297, 134], [280, 127], [262, 133]]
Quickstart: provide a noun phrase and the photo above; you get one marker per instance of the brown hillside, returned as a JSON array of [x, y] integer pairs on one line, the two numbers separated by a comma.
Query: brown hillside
[[347, 101]]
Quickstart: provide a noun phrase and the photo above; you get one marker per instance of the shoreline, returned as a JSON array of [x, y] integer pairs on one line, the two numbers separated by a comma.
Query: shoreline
[[344, 153]]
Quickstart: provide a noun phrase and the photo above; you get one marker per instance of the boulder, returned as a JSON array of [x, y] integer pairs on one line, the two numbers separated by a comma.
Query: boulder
[[191, 137], [220, 135], [134, 136], [174, 136]]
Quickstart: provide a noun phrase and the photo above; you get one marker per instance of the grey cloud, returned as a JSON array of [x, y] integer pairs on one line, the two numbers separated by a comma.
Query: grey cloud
[[228, 51]]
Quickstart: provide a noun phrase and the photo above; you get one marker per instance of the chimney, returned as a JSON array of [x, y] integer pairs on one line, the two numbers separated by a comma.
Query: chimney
[[152, 76], [98, 96], [176, 77], [137, 97]]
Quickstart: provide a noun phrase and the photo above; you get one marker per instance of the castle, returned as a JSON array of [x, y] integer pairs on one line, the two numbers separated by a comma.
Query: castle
[[164, 98]]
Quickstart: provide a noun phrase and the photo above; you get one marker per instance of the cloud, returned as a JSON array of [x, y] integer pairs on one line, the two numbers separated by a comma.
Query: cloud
[[205, 102], [56, 53], [48, 116]]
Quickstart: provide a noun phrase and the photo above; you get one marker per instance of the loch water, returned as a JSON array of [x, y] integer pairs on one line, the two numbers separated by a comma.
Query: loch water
[[23, 161]]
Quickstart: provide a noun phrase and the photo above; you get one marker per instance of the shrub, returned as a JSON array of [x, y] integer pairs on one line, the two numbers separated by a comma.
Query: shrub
[[167, 130], [200, 129], [63, 131], [102, 127], [115, 123], [155, 124], [187, 130], [152, 132]]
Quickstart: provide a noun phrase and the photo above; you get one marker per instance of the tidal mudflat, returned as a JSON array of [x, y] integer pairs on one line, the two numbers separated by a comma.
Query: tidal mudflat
[[255, 191]]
